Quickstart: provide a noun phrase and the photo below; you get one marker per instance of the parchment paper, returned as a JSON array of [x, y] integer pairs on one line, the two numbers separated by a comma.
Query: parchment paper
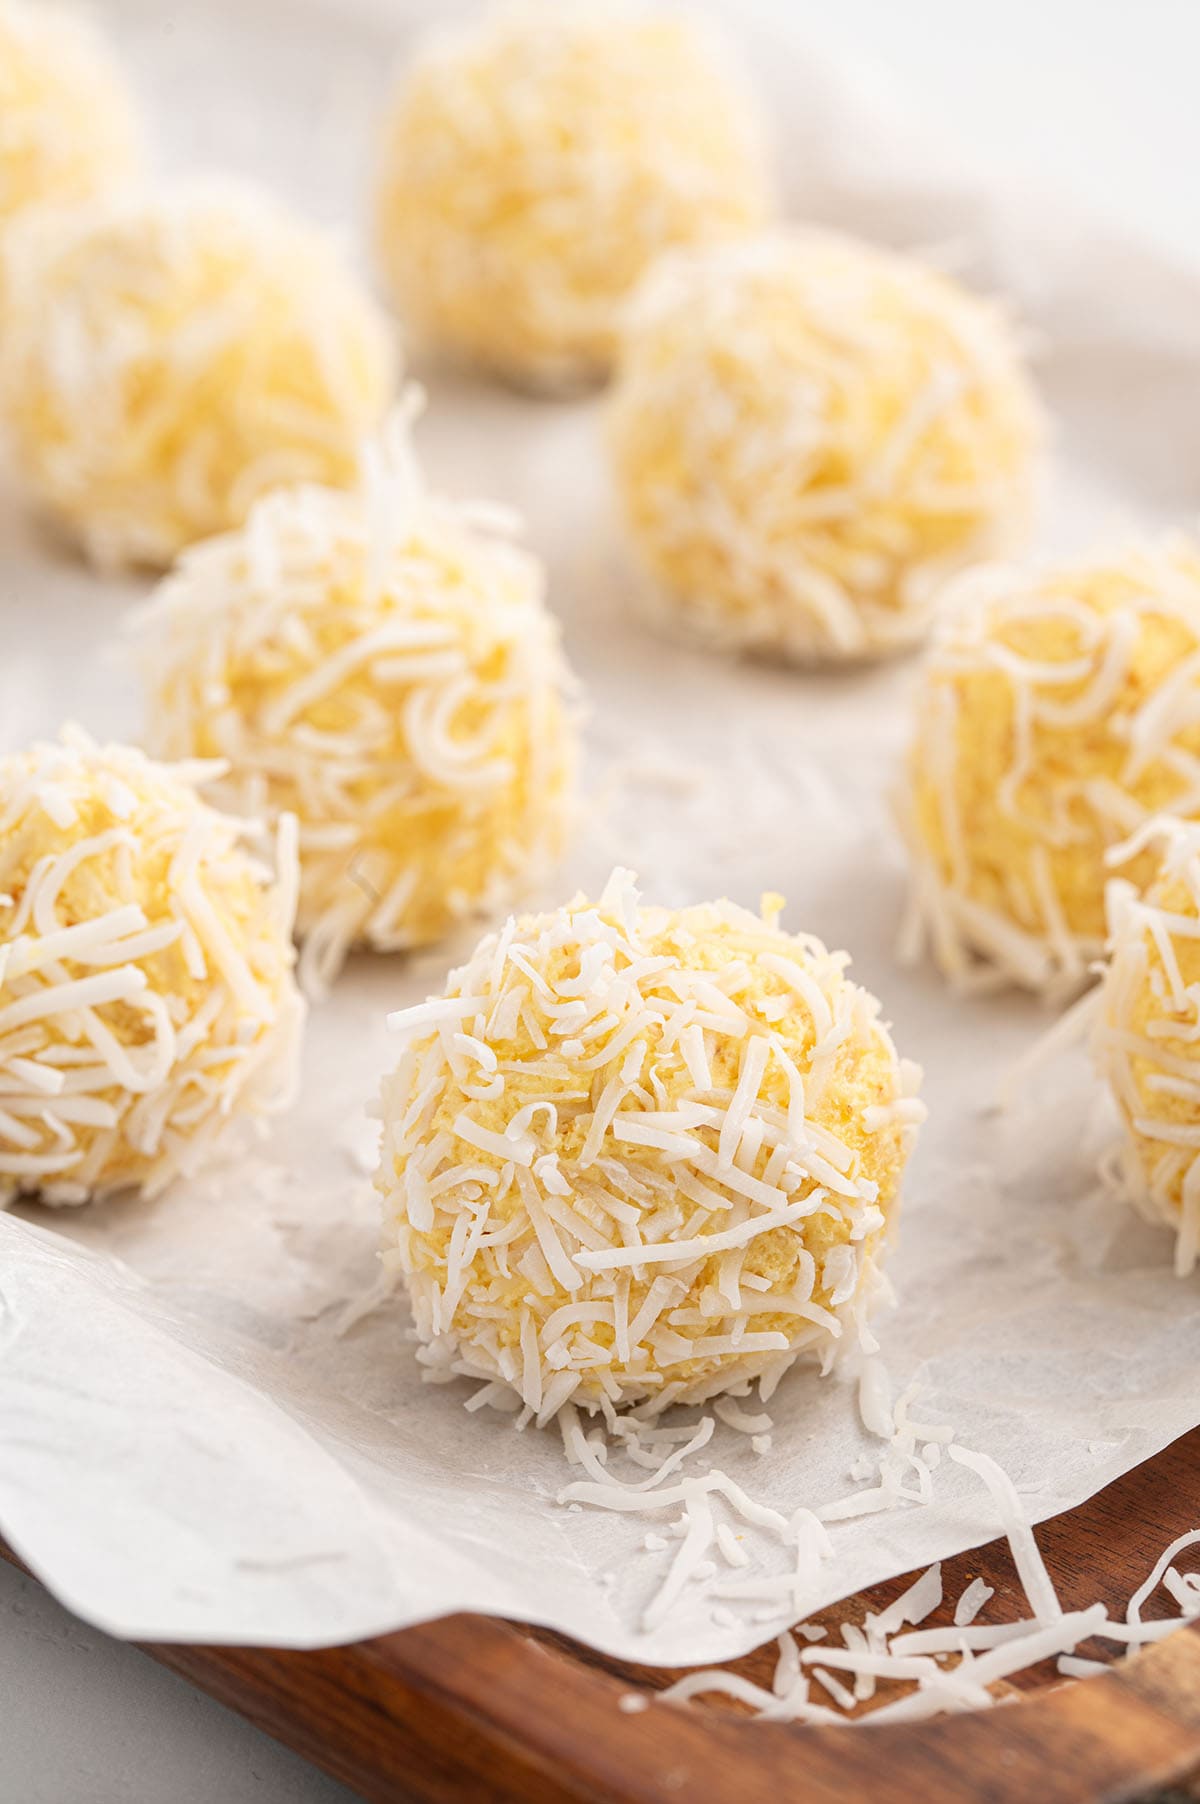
[[198, 1440]]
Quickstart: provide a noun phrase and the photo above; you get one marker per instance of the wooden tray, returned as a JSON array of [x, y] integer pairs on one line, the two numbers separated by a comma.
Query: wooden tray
[[479, 1710]]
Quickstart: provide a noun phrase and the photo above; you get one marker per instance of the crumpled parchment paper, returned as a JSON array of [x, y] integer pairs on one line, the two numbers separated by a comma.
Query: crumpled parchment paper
[[211, 1426]]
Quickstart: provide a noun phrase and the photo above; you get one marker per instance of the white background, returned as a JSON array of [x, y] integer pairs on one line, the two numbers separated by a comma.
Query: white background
[[1091, 96]]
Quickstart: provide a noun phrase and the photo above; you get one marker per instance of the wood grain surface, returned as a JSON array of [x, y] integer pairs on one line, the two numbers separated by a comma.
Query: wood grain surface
[[480, 1710]]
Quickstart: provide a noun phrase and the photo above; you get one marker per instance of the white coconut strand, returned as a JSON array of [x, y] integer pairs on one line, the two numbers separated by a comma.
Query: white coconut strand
[[1031, 1568], [1133, 1615], [972, 1601]]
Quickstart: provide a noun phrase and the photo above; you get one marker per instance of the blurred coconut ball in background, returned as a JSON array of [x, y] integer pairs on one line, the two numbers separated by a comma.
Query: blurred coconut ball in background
[[168, 357], [69, 126], [379, 662], [536, 161], [1146, 1033], [1056, 716], [808, 435]]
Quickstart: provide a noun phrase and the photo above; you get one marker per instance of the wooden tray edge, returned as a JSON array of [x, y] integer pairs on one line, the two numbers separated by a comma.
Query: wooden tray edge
[[450, 1710], [474, 1707]]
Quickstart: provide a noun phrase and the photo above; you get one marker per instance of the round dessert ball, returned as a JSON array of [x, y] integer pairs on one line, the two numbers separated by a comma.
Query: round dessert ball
[[641, 1155], [534, 164], [381, 664], [147, 998], [808, 435], [68, 125], [1057, 713], [167, 359], [1146, 1036]]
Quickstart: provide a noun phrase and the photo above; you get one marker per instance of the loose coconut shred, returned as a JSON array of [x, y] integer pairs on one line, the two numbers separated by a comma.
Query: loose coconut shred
[[951, 1669]]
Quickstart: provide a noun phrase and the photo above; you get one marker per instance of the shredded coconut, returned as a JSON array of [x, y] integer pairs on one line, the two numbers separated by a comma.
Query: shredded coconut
[[882, 1650], [787, 415]]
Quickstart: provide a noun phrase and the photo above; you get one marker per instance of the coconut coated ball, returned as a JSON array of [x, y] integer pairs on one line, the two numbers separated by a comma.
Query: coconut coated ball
[[147, 1000], [1057, 714], [537, 160], [641, 1155], [168, 359], [381, 664], [68, 125], [1146, 1034], [807, 435]]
